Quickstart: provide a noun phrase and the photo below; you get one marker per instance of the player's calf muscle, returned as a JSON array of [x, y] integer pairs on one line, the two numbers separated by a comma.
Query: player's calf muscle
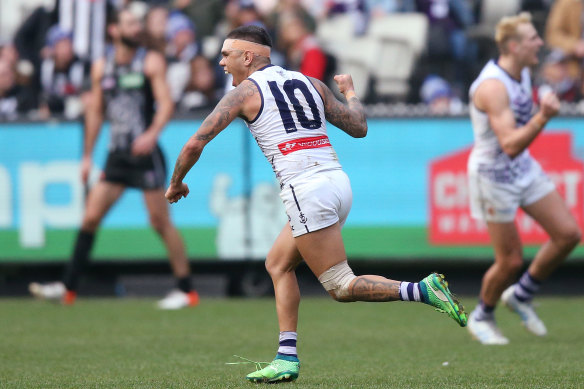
[[367, 289]]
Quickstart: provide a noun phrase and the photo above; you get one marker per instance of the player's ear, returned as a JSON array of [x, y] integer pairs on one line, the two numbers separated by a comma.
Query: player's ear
[[248, 57], [512, 45]]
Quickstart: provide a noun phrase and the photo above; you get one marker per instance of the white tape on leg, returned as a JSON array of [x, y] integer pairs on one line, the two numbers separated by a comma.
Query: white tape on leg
[[337, 279]]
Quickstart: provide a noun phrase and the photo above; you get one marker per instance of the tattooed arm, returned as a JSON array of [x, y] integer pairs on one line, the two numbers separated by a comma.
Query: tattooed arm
[[243, 101], [349, 118]]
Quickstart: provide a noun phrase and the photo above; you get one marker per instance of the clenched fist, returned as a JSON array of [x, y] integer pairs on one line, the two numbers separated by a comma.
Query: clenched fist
[[345, 83], [176, 192], [549, 105]]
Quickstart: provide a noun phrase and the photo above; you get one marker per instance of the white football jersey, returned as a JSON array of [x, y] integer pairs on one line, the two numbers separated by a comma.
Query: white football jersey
[[291, 127], [487, 157]]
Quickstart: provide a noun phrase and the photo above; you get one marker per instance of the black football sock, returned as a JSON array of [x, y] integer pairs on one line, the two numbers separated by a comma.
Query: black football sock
[[79, 261], [184, 284]]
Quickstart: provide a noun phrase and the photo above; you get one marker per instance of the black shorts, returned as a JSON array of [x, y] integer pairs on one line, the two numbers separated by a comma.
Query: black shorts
[[142, 172]]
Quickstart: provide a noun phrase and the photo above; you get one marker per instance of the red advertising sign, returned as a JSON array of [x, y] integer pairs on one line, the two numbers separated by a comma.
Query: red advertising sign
[[450, 221]]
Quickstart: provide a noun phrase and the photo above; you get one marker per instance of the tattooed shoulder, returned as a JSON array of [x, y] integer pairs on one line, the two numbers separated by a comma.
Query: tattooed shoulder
[[236, 97], [229, 107], [249, 88]]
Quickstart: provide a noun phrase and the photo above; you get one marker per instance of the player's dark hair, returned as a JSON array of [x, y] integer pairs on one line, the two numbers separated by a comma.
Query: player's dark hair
[[251, 33]]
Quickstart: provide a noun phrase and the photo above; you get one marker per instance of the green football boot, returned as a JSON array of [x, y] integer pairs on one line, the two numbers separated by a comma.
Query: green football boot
[[436, 293], [279, 370]]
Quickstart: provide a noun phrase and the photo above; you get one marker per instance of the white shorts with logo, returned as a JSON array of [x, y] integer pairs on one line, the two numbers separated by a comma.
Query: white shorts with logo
[[317, 201], [498, 202]]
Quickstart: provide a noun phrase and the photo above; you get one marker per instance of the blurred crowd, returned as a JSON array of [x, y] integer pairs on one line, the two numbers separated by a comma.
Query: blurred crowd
[[45, 66]]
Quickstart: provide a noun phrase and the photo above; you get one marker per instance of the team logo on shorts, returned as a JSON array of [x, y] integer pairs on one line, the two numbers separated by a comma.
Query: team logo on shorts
[[303, 218]]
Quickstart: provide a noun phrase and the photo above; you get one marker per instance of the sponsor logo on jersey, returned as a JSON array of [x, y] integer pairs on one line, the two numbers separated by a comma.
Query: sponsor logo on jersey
[[303, 144], [131, 81]]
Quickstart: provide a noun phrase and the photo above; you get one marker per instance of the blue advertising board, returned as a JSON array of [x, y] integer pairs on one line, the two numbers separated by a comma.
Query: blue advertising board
[[233, 210]]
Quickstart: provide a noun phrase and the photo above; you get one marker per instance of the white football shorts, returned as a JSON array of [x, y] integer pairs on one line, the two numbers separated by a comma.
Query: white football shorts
[[317, 201], [498, 202]]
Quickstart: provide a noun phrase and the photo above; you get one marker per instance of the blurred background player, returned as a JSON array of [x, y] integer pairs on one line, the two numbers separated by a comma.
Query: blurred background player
[[314, 188], [126, 85], [503, 176]]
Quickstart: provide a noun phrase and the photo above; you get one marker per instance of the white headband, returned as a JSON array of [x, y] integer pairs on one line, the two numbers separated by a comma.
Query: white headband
[[256, 48]]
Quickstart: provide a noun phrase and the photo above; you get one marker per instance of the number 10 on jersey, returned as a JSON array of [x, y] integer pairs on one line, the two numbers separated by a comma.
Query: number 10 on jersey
[[290, 87]]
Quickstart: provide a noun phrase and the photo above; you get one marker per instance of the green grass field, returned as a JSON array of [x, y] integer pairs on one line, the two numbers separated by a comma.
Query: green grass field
[[127, 343]]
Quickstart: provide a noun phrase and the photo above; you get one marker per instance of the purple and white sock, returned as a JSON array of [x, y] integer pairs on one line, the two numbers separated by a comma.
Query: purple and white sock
[[288, 343], [484, 312], [410, 291], [526, 288]]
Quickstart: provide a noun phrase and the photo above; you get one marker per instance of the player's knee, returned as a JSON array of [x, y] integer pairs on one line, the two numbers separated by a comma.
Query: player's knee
[[158, 223], [575, 235], [276, 266], [272, 266], [509, 260], [336, 280], [570, 237], [514, 265]]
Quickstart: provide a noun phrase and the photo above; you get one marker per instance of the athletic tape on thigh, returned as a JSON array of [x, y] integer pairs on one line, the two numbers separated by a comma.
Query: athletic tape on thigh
[[337, 278]]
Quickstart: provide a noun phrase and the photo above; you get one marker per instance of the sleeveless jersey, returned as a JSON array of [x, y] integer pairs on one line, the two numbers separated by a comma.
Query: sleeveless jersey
[[129, 103], [290, 128], [487, 157]]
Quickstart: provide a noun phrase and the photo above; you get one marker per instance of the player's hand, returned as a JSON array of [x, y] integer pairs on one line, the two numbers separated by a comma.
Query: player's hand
[[85, 169], [549, 105], [144, 144], [345, 83], [176, 192]]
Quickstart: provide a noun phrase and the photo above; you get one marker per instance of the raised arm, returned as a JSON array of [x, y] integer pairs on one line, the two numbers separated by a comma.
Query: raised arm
[[350, 117], [93, 117], [491, 97], [243, 101]]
